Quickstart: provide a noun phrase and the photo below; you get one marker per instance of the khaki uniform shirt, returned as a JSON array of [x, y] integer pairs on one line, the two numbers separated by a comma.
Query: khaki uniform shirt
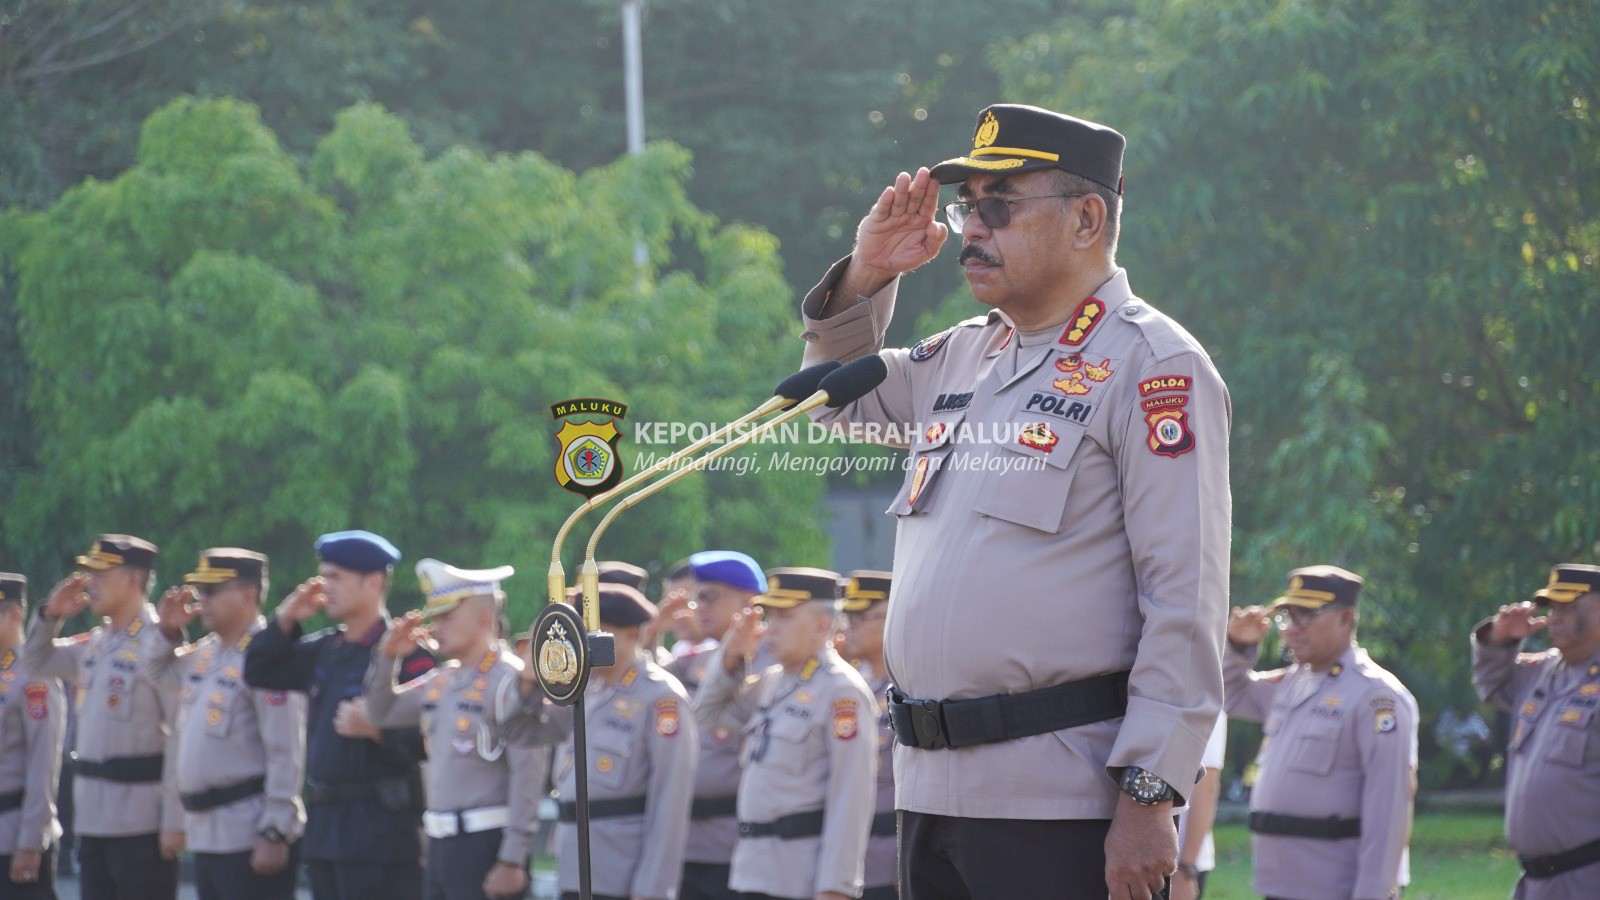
[[642, 743], [808, 746], [1340, 743], [462, 708], [121, 712], [883, 863], [228, 733], [1553, 759], [716, 777], [1065, 514], [33, 722]]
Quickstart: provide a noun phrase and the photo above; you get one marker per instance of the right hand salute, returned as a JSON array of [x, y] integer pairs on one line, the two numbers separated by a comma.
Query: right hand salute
[[742, 639], [177, 610], [898, 235], [1247, 626], [406, 633], [1514, 623], [302, 604], [68, 597]]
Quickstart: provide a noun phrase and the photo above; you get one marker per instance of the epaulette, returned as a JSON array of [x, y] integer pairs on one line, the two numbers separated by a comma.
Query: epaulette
[[1164, 335]]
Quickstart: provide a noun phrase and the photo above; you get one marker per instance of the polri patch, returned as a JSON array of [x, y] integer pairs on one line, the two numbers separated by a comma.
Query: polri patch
[[928, 346], [1169, 433]]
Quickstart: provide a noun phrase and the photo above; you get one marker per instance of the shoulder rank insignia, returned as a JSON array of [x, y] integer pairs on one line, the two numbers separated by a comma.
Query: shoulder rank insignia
[[1082, 322], [929, 346]]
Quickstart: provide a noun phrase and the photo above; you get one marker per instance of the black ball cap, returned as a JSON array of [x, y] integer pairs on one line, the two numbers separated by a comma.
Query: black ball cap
[[1012, 138]]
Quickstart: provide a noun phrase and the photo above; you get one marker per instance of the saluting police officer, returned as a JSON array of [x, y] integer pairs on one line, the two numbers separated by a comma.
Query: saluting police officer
[[1553, 760], [1337, 769], [363, 791], [866, 605], [810, 758], [33, 722], [483, 791], [642, 756], [241, 752], [131, 829], [725, 581], [1061, 559]]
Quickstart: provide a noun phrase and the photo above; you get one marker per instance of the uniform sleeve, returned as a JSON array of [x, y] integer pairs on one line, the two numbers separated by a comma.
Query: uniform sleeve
[[724, 700], [166, 661], [852, 786], [1248, 694], [282, 718], [1500, 672], [276, 661], [529, 764], [851, 329], [167, 698], [45, 733], [392, 705], [674, 745], [1177, 509], [405, 741], [535, 722], [1387, 742], [47, 657]]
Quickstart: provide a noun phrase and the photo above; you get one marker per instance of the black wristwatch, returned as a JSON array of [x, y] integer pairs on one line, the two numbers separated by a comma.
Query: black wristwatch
[[1189, 869], [1145, 787]]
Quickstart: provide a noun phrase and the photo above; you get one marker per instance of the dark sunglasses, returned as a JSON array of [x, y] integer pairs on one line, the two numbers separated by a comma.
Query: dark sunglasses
[[994, 211]]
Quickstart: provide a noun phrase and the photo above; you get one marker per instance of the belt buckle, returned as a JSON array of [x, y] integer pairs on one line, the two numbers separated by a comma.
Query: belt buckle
[[927, 723], [747, 829]]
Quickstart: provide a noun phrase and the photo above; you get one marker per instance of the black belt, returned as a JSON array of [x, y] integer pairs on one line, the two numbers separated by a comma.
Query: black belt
[[201, 801], [124, 769], [883, 823], [941, 724], [10, 801], [714, 807], [1556, 863], [318, 792], [1332, 827], [605, 809], [799, 825]]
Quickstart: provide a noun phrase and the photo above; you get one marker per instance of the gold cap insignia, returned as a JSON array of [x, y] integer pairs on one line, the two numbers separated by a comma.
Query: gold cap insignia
[[988, 131]]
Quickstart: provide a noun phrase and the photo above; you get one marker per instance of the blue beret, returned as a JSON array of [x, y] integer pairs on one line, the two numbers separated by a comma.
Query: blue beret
[[728, 567], [360, 551]]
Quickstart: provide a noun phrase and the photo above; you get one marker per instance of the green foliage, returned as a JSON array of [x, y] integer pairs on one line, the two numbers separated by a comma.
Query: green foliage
[[1382, 220], [226, 349]]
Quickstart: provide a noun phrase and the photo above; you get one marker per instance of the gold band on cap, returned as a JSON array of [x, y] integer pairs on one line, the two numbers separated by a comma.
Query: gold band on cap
[[1017, 151], [206, 573], [100, 559]]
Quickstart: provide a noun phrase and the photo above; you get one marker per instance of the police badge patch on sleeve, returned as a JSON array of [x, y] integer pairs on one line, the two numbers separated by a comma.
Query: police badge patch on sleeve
[[929, 346]]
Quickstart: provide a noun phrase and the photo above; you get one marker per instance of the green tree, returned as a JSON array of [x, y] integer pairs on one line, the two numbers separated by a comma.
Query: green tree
[[1382, 220], [229, 348]]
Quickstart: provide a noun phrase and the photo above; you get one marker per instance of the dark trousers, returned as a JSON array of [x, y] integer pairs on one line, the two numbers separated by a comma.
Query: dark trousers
[[706, 881], [881, 892], [363, 881], [43, 889], [457, 865], [949, 858], [125, 868], [228, 876]]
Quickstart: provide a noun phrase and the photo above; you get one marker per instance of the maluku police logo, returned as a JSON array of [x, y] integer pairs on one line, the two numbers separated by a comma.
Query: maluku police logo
[[587, 459]]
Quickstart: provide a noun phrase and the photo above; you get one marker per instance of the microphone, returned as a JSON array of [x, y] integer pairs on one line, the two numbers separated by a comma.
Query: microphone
[[838, 388], [793, 389]]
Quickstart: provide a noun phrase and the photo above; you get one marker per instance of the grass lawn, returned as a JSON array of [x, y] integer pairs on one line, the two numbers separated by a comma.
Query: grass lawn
[[1459, 856]]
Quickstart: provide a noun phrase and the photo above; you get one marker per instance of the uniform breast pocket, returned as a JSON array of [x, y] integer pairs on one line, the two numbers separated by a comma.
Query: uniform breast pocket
[[610, 753], [1570, 737], [783, 745], [219, 720], [1029, 477], [925, 467], [1315, 749]]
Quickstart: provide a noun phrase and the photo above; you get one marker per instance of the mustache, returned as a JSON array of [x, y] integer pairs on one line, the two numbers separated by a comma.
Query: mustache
[[973, 251]]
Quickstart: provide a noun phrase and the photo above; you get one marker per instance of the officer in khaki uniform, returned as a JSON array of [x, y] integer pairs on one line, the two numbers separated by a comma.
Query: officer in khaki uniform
[[130, 828], [483, 790], [33, 722], [241, 752], [866, 604], [725, 581], [642, 756], [1553, 761], [1331, 807], [1061, 557], [810, 754]]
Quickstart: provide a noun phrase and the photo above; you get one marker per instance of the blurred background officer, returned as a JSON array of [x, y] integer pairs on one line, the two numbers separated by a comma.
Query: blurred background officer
[[1331, 807], [1197, 852], [241, 752], [676, 615], [33, 722], [1553, 760], [642, 756], [363, 791], [805, 800], [866, 604], [483, 792], [725, 581], [131, 830]]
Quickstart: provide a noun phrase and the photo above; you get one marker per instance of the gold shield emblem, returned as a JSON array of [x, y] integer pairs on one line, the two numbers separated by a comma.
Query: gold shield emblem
[[988, 131]]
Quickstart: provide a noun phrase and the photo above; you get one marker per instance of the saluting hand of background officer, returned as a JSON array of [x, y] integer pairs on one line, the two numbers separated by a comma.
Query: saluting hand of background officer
[[742, 639], [1247, 626], [1515, 622], [177, 609], [897, 235], [68, 597], [406, 633], [302, 604]]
